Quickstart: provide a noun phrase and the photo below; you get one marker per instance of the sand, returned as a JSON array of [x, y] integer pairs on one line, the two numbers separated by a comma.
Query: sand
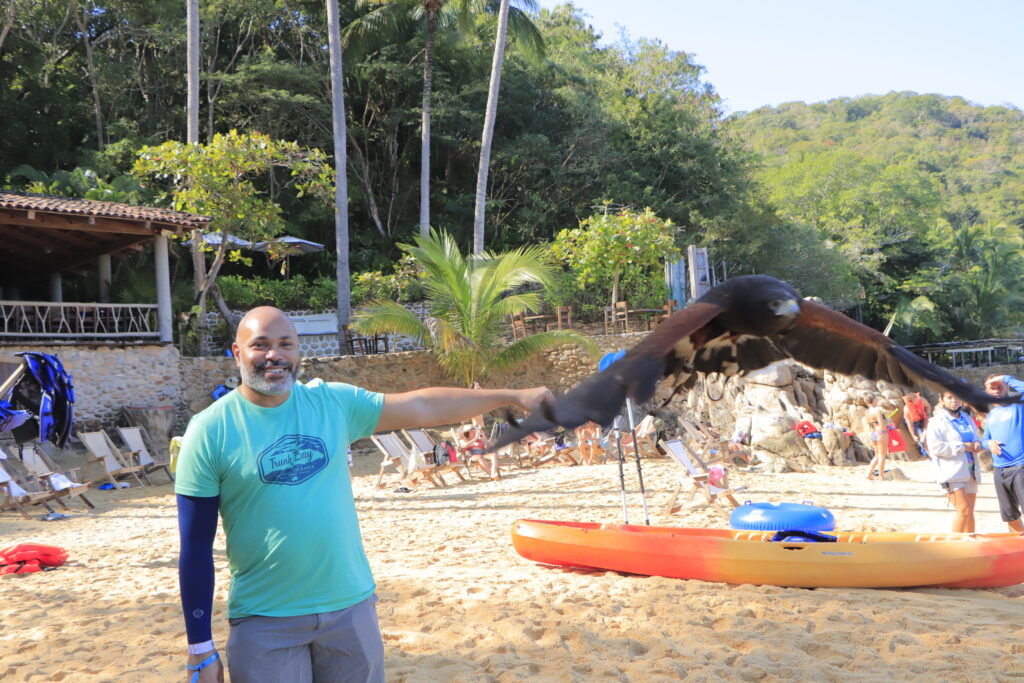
[[458, 604]]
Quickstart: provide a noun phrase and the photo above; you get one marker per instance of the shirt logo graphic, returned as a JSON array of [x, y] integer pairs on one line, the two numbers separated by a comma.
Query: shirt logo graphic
[[292, 459]]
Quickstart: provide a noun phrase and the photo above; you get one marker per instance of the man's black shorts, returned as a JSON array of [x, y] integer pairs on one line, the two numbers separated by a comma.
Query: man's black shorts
[[1009, 490]]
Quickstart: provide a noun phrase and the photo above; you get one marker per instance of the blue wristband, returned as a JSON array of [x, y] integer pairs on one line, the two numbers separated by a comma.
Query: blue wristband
[[202, 665]]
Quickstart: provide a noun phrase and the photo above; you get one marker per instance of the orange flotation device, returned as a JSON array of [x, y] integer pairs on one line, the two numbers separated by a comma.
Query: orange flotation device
[[27, 558]]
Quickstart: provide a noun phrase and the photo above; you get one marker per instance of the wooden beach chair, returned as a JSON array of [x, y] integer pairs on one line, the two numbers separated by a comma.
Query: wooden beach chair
[[116, 465], [39, 463], [20, 489], [135, 439], [398, 456], [704, 439], [465, 460], [422, 445], [698, 475]]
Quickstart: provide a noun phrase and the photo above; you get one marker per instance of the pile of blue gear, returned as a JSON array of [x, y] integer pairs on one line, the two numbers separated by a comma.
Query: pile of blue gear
[[42, 403]]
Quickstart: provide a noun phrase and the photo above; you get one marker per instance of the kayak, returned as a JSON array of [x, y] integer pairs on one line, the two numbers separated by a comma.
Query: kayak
[[854, 560]]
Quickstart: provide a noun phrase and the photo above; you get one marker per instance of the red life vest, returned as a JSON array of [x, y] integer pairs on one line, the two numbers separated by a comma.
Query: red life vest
[[917, 410], [26, 558]]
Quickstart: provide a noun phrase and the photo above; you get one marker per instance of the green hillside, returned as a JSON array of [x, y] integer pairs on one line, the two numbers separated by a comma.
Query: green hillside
[[923, 194]]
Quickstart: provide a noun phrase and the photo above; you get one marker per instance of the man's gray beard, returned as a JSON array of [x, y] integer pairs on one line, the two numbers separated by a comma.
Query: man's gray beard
[[260, 384]]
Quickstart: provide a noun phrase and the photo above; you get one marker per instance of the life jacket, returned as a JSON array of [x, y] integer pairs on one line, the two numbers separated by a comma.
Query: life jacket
[[26, 558]]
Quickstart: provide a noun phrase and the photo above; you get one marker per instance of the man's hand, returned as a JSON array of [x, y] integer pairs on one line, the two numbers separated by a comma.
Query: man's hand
[[994, 447], [531, 399], [211, 673]]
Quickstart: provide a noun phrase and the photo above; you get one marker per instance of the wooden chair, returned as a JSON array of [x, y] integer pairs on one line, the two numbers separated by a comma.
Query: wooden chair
[[352, 344], [551, 451], [398, 456], [563, 319], [703, 439], [116, 465], [620, 317], [646, 437], [135, 439], [53, 478], [670, 307], [711, 485], [19, 489], [517, 321], [422, 444]]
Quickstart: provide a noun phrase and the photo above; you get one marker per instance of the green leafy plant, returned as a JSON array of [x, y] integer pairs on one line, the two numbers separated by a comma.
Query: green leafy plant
[[470, 298]]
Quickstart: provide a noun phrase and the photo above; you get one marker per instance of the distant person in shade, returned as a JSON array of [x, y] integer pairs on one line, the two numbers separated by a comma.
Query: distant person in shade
[[1004, 439]]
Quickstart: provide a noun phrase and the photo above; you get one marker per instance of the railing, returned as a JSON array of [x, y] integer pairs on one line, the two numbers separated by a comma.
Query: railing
[[48, 321]]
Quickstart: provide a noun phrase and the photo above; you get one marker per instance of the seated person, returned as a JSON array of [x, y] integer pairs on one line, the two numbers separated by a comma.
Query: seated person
[[588, 440], [539, 444], [474, 445]]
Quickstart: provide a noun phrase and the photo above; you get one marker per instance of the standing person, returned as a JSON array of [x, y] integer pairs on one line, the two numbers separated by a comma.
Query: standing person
[[953, 439], [916, 412], [1004, 439], [270, 458], [878, 424]]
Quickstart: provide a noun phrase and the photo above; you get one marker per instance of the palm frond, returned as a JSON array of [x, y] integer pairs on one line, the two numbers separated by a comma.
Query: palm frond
[[389, 317]]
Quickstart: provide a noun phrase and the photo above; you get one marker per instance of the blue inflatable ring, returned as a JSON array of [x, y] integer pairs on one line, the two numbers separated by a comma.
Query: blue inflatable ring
[[780, 516]]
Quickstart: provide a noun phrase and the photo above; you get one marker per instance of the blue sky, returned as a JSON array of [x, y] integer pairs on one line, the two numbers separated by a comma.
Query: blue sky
[[766, 52]]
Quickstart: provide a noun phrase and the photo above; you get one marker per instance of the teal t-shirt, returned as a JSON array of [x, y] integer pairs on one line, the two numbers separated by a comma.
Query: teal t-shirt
[[293, 539]]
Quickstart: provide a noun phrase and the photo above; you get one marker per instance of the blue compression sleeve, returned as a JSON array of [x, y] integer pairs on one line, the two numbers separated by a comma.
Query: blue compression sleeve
[[197, 523]]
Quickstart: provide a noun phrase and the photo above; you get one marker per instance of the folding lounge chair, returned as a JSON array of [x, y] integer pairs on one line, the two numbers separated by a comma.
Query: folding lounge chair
[[422, 444], [135, 439], [398, 455], [556, 454], [703, 439], [43, 467], [116, 465], [18, 490], [699, 476]]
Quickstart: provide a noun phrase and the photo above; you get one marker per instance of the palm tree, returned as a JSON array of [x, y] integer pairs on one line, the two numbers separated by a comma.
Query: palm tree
[[340, 171], [488, 135], [388, 18], [470, 297]]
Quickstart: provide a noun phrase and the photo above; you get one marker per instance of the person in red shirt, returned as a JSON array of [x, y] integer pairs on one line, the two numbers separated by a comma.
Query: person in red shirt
[[916, 412]]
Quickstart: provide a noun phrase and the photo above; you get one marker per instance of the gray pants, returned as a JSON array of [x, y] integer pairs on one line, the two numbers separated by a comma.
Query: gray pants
[[320, 648]]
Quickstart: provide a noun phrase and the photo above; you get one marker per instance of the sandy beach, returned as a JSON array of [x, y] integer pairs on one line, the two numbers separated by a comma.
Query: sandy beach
[[458, 604]]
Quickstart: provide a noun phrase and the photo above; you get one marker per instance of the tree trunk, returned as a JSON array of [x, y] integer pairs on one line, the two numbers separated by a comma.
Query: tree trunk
[[192, 138], [340, 171], [90, 66], [488, 135], [8, 24], [428, 80]]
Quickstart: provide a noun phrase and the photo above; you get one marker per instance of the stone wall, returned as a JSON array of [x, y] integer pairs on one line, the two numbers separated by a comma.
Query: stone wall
[[106, 378]]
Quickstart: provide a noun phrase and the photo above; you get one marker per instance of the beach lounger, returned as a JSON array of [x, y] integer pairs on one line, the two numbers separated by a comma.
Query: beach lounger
[[135, 439], [422, 445], [704, 439], [510, 453], [700, 477], [398, 456], [39, 463], [116, 465], [20, 490]]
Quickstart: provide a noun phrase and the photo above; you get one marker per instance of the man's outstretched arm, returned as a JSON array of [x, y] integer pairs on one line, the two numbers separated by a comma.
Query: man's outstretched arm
[[197, 525], [445, 405]]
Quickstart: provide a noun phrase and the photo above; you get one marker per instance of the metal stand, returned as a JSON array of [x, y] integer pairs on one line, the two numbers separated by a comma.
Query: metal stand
[[636, 452], [622, 474]]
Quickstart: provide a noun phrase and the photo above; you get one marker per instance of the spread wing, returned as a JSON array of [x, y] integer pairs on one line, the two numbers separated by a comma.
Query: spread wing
[[599, 398], [827, 340]]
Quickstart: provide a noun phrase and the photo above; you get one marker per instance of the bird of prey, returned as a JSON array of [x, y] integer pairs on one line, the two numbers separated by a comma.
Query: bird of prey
[[743, 324]]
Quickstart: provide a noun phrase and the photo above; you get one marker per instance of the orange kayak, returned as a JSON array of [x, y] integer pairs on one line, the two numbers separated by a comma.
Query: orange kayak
[[856, 560]]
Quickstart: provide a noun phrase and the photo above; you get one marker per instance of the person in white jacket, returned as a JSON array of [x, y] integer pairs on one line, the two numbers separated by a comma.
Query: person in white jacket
[[952, 440]]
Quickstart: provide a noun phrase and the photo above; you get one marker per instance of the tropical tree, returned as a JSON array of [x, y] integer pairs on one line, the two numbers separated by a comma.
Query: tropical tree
[[219, 180], [470, 298], [388, 18], [613, 242]]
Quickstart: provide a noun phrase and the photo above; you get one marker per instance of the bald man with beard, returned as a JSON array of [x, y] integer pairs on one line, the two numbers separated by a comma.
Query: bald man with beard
[[270, 459]]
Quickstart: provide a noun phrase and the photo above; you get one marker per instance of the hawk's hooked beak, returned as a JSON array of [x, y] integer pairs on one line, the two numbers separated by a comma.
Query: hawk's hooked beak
[[784, 307]]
